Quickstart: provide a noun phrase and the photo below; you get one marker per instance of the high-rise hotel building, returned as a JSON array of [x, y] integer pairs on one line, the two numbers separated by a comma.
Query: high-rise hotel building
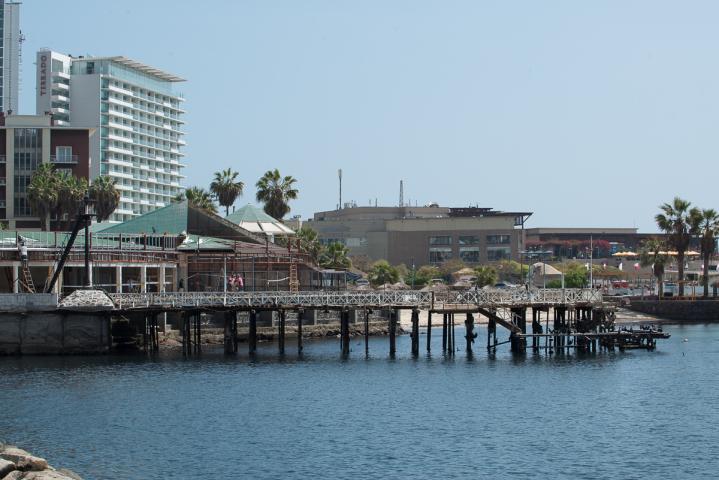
[[137, 114], [10, 42]]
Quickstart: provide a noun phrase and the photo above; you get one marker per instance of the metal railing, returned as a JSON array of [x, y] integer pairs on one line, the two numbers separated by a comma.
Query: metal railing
[[354, 299], [64, 159]]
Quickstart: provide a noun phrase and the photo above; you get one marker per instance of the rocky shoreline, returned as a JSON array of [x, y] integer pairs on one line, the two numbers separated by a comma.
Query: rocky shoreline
[[18, 464]]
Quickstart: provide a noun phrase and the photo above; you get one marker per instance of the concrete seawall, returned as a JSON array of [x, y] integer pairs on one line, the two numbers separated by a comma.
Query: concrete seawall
[[32, 324], [679, 310]]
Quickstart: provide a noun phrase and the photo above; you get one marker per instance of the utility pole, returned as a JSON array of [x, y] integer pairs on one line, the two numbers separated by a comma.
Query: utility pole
[[339, 174]]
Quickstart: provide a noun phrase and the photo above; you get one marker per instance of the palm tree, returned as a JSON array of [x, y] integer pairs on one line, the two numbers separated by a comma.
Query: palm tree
[[226, 188], [275, 192], [706, 225], [336, 256], [199, 198], [71, 192], [309, 243], [382, 272], [42, 193], [675, 221], [652, 254], [486, 275], [105, 196]]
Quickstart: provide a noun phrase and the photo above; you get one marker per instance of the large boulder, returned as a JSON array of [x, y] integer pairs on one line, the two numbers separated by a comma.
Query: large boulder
[[44, 475], [6, 466], [23, 460]]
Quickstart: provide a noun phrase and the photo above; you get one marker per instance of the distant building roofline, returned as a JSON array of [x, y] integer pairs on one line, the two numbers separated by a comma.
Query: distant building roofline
[[128, 62]]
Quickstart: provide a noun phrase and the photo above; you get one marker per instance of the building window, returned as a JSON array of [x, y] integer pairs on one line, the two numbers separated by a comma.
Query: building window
[[442, 240], [439, 254], [499, 239], [63, 154], [498, 253], [26, 158], [469, 254], [468, 240], [356, 241]]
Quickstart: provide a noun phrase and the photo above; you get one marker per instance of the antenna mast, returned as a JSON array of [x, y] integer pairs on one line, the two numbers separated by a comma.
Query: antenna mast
[[339, 174], [401, 193]]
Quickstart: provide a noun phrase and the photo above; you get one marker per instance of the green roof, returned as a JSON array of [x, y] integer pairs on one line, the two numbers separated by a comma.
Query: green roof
[[250, 213], [181, 217]]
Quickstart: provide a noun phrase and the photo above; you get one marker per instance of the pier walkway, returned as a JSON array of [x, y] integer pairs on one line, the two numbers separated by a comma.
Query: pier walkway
[[470, 300]]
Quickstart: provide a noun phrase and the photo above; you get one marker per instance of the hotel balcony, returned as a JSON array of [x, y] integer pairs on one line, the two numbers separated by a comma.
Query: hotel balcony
[[64, 159]]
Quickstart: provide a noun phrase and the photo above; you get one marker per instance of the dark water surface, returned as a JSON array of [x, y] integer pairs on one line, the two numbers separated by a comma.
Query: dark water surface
[[631, 414]]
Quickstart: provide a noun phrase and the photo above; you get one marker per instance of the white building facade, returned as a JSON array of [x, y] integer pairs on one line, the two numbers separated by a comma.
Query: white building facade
[[10, 43], [137, 113]]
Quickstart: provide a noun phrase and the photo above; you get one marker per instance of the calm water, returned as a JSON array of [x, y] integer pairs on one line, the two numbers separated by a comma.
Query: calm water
[[623, 415]]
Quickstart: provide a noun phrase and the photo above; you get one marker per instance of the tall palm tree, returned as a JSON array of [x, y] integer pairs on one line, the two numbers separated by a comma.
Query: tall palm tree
[[336, 256], [275, 192], [200, 198], [382, 272], [309, 243], [71, 192], [226, 188], [42, 193], [706, 225], [652, 254], [675, 221], [105, 195]]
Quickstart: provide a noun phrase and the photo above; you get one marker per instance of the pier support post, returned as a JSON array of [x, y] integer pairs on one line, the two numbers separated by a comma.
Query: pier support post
[[469, 335], [415, 332], [366, 332], [444, 332], [300, 318], [393, 332], [185, 327], [519, 318], [228, 341], [345, 332], [429, 331], [536, 327], [281, 339], [252, 334], [491, 333], [155, 334]]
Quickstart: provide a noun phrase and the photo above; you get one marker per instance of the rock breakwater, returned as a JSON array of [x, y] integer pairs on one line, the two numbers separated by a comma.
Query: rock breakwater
[[18, 464]]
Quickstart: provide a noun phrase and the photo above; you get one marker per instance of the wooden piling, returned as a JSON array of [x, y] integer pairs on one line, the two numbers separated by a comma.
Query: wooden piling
[[345, 332], [281, 336], [252, 335], [366, 332], [415, 332], [429, 331], [469, 328], [300, 315], [227, 333], [444, 332], [393, 332]]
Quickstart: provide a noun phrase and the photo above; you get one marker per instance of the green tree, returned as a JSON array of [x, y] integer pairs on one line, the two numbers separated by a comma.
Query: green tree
[[675, 221], [382, 272], [486, 275], [42, 193], [198, 198], [275, 192], [71, 191], [336, 256], [421, 276], [309, 243], [104, 193], [706, 224], [652, 253], [226, 188]]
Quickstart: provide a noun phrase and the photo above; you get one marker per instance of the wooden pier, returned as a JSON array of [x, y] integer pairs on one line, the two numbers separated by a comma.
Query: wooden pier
[[580, 320]]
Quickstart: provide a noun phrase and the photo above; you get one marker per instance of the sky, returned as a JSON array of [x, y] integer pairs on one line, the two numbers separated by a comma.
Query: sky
[[589, 114]]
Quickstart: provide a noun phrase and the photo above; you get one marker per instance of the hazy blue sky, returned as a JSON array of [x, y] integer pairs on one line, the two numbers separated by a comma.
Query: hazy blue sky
[[587, 113]]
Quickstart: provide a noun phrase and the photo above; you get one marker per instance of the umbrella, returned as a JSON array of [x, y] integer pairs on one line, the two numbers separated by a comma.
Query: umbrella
[[692, 253]]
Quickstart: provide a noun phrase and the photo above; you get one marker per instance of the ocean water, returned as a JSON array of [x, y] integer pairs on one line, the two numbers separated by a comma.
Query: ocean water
[[632, 414]]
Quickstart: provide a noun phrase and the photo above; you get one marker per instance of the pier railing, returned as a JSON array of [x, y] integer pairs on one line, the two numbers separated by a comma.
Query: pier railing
[[360, 299]]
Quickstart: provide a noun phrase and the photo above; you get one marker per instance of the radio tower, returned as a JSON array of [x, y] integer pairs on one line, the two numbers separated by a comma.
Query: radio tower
[[339, 174], [401, 193]]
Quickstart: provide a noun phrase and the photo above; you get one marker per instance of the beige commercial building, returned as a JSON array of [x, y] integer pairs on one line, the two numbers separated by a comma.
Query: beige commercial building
[[424, 235]]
